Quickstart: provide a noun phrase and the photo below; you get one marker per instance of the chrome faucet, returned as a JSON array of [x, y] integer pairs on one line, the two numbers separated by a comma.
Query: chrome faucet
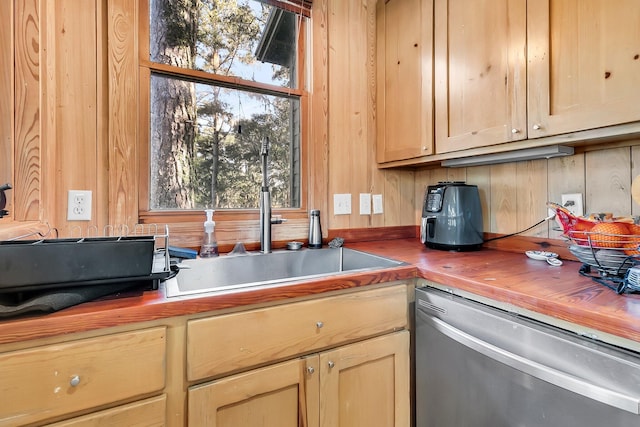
[[265, 202]]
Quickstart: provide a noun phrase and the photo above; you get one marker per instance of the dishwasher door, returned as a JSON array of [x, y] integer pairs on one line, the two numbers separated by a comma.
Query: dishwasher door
[[480, 366]]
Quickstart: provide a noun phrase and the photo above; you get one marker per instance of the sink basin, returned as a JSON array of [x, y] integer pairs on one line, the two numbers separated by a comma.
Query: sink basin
[[242, 271]]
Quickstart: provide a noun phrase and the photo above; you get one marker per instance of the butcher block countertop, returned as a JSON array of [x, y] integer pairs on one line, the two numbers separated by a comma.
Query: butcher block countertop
[[509, 278]]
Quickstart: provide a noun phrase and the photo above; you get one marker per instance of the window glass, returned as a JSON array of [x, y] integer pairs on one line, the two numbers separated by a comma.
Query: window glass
[[243, 38], [228, 89]]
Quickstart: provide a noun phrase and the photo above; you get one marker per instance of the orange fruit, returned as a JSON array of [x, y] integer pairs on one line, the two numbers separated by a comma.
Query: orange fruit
[[578, 233], [634, 229], [609, 234], [631, 247]]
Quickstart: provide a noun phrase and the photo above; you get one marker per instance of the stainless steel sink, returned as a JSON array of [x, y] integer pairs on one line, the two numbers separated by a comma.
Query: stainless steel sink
[[242, 271]]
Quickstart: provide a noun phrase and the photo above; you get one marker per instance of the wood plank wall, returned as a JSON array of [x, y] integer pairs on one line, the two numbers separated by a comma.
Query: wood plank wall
[[74, 58], [514, 195]]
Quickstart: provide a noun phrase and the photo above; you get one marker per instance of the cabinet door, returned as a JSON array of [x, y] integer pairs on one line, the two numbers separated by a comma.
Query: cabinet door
[[405, 105], [366, 384], [584, 64], [282, 395], [145, 413], [480, 73]]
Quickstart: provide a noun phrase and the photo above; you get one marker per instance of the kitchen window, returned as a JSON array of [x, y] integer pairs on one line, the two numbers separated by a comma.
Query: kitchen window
[[220, 77]]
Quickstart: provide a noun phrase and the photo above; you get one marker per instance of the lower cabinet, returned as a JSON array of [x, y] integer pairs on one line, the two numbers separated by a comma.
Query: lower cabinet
[[144, 413], [360, 384], [59, 380]]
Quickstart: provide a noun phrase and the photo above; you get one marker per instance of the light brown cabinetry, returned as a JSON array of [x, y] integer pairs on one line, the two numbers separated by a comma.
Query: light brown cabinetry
[[301, 364], [584, 64], [480, 73], [405, 79], [361, 384], [510, 70], [55, 380]]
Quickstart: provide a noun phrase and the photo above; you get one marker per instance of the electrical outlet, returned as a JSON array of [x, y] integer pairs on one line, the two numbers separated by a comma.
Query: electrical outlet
[[573, 202], [79, 205]]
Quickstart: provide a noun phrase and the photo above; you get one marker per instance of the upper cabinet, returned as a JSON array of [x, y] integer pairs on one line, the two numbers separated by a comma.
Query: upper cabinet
[[480, 73], [504, 72], [584, 64], [404, 110]]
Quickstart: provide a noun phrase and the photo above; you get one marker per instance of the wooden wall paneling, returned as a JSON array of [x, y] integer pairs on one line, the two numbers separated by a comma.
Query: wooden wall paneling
[[566, 175], [76, 105], [398, 198], [318, 167], [421, 179], [6, 101], [351, 97], [340, 142], [26, 185], [531, 197], [503, 208], [481, 176], [101, 205], [123, 110], [608, 181], [635, 171], [48, 115]]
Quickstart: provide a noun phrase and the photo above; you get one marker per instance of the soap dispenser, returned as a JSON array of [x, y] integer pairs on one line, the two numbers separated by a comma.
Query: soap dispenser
[[209, 246]]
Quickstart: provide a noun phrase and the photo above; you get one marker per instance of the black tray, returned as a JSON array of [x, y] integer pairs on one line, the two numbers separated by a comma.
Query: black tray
[[32, 265]]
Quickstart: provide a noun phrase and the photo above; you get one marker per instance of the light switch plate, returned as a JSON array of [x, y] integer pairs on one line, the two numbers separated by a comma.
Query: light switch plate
[[377, 204], [365, 203], [342, 204]]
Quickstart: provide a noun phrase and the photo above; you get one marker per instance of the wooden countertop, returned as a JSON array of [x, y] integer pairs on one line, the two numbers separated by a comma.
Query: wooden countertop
[[511, 278]]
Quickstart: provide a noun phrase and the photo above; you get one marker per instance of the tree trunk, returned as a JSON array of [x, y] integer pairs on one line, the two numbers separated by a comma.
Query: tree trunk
[[173, 106]]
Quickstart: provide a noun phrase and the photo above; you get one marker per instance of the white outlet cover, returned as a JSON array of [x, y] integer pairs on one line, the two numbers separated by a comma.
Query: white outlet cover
[[342, 204], [79, 205], [573, 202]]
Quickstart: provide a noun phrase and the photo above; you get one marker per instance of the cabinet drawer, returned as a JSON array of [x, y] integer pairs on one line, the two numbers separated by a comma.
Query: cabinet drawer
[[57, 379], [232, 342], [147, 413]]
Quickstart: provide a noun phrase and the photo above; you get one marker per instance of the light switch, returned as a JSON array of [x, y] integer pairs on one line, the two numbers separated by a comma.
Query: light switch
[[365, 203], [342, 204], [377, 204]]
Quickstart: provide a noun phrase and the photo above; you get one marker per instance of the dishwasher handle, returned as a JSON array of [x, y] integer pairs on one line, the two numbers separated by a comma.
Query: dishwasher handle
[[537, 370]]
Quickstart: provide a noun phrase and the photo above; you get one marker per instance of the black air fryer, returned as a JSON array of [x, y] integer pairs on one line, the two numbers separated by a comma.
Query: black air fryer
[[452, 217]]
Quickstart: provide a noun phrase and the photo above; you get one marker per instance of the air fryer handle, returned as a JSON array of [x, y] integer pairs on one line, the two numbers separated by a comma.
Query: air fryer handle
[[427, 228]]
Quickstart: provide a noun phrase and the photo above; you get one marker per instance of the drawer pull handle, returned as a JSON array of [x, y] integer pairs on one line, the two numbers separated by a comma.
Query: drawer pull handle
[[75, 380], [331, 364], [319, 325], [310, 370]]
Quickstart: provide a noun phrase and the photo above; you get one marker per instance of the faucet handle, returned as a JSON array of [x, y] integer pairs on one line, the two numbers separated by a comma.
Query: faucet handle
[[277, 219]]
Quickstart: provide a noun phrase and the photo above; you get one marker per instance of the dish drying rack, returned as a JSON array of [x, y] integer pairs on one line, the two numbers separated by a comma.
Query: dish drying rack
[[612, 260], [138, 255]]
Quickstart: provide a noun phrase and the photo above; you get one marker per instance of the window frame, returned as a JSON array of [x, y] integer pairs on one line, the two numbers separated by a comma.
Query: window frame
[[147, 67]]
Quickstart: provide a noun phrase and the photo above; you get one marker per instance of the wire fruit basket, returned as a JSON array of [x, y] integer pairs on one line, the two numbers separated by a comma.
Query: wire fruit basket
[[607, 247]]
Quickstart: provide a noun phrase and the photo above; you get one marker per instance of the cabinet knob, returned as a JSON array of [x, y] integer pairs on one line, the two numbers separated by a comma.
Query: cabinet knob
[[319, 325], [331, 364], [310, 369], [75, 380], [515, 131], [537, 127]]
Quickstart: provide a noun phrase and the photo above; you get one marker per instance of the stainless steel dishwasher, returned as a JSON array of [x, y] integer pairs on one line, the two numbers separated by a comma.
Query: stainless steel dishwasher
[[480, 366]]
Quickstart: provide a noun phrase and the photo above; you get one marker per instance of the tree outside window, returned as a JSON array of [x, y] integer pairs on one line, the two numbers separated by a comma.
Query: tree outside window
[[223, 78]]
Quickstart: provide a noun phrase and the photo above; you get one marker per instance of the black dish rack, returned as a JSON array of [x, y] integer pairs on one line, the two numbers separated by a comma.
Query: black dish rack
[[45, 264]]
